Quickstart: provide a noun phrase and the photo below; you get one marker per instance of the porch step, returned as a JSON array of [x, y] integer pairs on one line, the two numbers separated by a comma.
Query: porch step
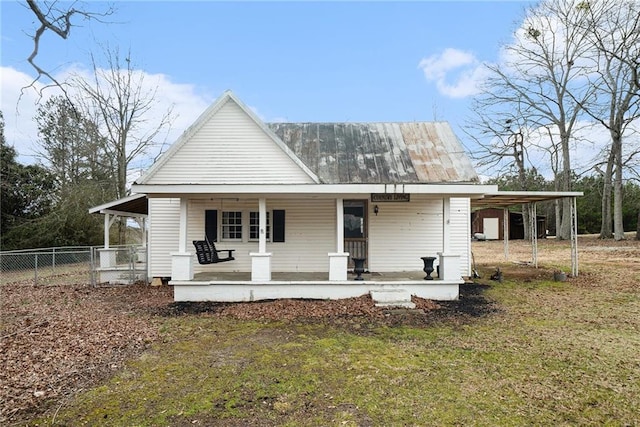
[[392, 298]]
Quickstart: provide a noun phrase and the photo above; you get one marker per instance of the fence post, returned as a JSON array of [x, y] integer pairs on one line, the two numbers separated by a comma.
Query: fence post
[[35, 278], [53, 259], [132, 265]]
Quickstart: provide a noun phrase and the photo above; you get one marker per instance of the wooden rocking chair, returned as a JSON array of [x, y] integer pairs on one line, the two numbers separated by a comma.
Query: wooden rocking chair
[[208, 254]]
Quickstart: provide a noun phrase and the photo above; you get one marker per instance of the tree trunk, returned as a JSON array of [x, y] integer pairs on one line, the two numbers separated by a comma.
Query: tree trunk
[[565, 225], [618, 226], [518, 155], [606, 231], [638, 227], [556, 204]]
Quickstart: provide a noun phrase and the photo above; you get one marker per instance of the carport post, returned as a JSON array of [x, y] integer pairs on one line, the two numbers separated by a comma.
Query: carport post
[[574, 238], [506, 230], [107, 225], [533, 227]]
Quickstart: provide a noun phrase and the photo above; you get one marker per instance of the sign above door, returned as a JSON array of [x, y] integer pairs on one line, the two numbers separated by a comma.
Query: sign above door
[[390, 197]]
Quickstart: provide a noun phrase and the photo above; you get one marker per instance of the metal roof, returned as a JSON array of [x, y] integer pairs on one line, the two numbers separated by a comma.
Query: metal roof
[[503, 199], [393, 153]]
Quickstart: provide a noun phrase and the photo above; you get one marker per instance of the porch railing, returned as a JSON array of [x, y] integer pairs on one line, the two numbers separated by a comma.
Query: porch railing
[[357, 248], [128, 264]]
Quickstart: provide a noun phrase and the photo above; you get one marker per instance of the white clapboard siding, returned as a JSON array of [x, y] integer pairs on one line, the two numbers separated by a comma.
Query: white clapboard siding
[[461, 232], [164, 220], [309, 234], [229, 149], [401, 233]]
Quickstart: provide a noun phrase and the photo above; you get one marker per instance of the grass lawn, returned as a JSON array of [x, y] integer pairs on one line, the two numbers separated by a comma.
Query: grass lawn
[[553, 353]]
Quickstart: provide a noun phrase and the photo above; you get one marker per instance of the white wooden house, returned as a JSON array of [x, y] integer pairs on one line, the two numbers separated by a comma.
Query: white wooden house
[[297, 201]]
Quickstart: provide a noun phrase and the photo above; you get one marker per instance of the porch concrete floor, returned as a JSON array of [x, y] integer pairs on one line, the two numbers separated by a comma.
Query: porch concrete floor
[[309, 277]]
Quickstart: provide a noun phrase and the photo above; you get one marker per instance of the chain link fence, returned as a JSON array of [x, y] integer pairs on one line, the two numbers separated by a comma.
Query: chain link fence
[[74, 265]]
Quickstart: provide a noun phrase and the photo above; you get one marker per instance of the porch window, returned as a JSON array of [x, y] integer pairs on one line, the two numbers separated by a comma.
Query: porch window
[[232, 225], [254, 226]]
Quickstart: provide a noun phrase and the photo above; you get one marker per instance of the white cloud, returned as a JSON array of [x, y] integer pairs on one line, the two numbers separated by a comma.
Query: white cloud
[[19, 106], [188, 103], [457, 74]]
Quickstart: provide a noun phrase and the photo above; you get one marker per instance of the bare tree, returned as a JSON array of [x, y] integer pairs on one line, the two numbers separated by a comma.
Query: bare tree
[[543, 75], [56, 17], [613, 26], [122, 103], [500, 137]]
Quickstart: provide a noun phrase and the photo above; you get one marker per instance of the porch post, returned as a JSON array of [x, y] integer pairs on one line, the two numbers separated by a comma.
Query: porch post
[[107, 254], [339, 260], [449, 262], [446, 223], [144, 238], [181, 261], [262, 225], [340, 225], [107, 226], [261, 260], [182, 230]]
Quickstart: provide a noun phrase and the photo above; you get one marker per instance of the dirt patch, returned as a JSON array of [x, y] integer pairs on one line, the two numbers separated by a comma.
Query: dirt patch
[[357, 312]]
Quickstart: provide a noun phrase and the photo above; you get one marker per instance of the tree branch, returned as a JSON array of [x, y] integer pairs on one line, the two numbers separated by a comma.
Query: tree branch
[[59, 22]]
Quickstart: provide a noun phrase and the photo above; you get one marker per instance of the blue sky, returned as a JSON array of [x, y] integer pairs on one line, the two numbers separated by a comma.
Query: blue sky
[[289, 61]]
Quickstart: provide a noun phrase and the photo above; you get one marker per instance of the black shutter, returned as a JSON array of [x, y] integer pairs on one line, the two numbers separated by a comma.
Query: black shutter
[[211, 225], [278, 225]]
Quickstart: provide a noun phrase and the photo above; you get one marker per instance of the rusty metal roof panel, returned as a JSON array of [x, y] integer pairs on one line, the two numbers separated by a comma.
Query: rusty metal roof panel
[[416, 152]]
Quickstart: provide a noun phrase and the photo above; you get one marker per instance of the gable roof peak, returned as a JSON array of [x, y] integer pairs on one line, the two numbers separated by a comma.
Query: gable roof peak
[[227, 95]]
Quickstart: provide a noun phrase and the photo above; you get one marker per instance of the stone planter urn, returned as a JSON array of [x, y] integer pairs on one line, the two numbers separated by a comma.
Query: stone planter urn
[[428, 266], [559, 276], [358, 267]]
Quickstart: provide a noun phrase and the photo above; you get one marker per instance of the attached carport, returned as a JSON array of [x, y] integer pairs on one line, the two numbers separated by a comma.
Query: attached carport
[[134, 206], [506, 199]]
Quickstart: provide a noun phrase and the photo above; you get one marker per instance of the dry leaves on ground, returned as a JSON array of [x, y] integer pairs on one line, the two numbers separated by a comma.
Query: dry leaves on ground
[[58, 339]]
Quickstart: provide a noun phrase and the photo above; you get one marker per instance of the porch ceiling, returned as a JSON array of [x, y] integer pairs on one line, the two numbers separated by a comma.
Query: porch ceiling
[[134, 205]]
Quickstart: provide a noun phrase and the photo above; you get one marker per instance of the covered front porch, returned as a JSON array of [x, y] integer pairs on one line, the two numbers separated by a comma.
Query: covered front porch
[[313, 255], [389, 287]]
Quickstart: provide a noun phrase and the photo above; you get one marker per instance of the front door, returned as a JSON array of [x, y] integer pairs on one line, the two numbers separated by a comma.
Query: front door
[[355, 230]]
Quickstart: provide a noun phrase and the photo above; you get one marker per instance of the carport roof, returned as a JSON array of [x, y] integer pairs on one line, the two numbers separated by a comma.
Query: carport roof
[[504, 199], [134, 205]]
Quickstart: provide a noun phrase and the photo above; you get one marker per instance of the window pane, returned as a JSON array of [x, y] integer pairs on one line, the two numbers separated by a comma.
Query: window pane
[[354, 221], [232, 225]]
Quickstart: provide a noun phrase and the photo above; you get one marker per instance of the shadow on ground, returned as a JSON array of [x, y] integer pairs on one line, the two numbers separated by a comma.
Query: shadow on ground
[[355, 313]]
